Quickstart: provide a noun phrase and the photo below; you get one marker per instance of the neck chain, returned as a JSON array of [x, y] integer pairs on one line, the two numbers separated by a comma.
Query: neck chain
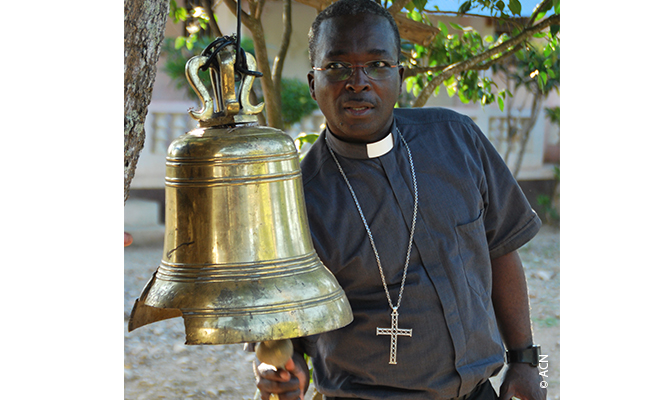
[[394, 331]]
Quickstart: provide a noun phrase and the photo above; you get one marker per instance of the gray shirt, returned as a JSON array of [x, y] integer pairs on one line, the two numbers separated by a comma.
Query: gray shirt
[[470, 211]]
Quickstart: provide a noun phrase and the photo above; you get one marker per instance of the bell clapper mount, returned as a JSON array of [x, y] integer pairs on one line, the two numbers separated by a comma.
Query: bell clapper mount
[[225, 60]]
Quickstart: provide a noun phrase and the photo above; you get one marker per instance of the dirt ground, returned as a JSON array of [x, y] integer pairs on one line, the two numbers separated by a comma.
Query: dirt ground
[[159, 366]]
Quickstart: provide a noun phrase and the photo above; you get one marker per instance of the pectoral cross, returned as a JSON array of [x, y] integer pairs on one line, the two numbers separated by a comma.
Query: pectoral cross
[[394, 332]]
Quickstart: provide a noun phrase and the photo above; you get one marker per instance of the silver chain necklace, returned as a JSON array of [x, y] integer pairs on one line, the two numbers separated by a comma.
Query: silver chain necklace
[[394, 331]]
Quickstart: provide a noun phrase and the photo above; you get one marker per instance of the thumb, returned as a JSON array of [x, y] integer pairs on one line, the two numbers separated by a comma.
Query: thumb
[[505, 392], [290, 365]]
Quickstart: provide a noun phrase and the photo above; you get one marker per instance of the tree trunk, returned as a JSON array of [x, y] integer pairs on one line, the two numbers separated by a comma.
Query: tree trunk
[[278, 66], [144, 28], [534, 112], [271, 89]]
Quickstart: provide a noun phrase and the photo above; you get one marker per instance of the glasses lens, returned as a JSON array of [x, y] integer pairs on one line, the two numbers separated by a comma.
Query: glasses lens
[[377, 71], [340, 74], [373, 70]]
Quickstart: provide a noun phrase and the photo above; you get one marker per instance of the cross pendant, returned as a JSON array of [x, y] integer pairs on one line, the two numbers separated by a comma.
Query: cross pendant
[[394, 332]]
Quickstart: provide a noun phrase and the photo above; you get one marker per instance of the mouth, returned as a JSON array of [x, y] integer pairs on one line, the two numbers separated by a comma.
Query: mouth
[[358, 108]]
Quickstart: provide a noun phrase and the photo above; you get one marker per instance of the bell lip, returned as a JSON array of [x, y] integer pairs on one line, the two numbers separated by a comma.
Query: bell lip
[[200, 329], [143, 314], [271, 326]]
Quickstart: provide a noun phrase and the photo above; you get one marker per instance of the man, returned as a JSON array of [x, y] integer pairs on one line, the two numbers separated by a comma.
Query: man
[[419, 219]]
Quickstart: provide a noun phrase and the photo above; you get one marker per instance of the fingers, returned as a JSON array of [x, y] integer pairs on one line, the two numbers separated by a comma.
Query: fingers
[[278, 381], [522, 382]]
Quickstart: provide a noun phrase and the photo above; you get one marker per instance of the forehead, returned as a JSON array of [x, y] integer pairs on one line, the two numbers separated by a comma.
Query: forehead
[[360, 36]]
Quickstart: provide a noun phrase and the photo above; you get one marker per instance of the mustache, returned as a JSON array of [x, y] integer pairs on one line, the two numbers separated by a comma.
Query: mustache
[[353, 101]]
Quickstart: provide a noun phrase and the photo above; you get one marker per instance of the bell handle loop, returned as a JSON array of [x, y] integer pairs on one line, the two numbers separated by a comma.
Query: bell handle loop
[[247, 83], [192, 67]]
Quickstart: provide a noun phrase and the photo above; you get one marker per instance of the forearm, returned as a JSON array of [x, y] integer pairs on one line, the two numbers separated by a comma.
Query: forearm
[[510, 301]]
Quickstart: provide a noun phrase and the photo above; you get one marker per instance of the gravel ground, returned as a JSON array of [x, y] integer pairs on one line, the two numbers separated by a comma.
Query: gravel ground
[[159, 366]]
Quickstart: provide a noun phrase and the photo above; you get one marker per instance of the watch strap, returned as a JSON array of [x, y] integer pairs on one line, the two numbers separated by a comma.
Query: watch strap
[[531, 356]]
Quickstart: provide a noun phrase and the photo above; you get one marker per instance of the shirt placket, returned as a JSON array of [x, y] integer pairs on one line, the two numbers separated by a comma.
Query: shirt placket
[[429, 256]]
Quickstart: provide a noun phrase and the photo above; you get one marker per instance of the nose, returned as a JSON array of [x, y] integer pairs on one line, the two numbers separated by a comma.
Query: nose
[[358, 81]]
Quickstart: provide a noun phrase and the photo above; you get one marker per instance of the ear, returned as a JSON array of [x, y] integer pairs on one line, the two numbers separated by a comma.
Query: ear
[[310, 82], [401, 73]]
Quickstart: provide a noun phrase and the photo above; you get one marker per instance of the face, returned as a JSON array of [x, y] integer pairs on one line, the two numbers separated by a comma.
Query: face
[[358, 109]]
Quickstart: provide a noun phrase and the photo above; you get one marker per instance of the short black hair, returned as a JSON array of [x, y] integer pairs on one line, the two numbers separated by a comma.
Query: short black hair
[[349, 7]]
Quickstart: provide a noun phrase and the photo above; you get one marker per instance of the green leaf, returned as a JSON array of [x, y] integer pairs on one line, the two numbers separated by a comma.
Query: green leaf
[[515, 7], [181, 14], [452, 86], [415, 15], [179, 42], [465, 7], [501, 103], [420, 4], [305, 138], [456, 26], [557, 7], [500, 5], [489, 39]]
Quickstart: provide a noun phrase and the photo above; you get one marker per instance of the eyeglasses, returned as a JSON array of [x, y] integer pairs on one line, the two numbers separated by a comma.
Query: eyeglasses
[[341, 71]]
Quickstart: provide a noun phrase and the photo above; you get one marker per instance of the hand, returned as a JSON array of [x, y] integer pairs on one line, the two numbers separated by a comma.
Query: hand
[[522, 381], [289, 383]]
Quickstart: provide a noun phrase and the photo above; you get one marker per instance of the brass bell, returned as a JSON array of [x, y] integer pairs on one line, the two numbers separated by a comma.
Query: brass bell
[[238, 261]]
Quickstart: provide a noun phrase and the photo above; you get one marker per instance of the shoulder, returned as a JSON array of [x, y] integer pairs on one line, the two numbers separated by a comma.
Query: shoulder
[[442, 124], [430, 116], [313, 161]]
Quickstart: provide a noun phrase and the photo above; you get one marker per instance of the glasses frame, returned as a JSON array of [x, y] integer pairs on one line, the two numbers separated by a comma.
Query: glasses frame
[[351, 67]]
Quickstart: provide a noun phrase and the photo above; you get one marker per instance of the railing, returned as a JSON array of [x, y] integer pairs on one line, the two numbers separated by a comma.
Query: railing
[[165, 122], [168, 120]]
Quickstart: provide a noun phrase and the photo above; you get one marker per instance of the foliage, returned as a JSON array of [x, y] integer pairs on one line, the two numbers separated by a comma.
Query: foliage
[[535, 67], [447, 49], [546, 202], [305, 138], [547, 208], [296, 101], [554, 115], [176, 54], [195, 19], [457, 45], [459, 56]]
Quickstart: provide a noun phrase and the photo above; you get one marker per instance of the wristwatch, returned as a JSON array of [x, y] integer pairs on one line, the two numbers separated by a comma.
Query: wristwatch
[[530, 356]]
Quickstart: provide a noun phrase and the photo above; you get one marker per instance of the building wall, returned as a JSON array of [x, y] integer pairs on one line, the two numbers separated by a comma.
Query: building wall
[[167, 118]]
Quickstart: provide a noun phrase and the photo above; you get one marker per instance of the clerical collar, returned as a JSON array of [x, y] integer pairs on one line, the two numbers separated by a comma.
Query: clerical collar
[[361, 150]]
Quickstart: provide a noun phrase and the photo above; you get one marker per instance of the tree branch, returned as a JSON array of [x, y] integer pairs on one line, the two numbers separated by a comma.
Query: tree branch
[[536, 11], [397, 6], [212, 22], [471, 63], [259, 10], [278, 65], [409, 72], [232, 6]]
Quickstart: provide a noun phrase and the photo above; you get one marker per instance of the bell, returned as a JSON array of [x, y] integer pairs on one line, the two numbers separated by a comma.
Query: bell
[[238, 261]]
